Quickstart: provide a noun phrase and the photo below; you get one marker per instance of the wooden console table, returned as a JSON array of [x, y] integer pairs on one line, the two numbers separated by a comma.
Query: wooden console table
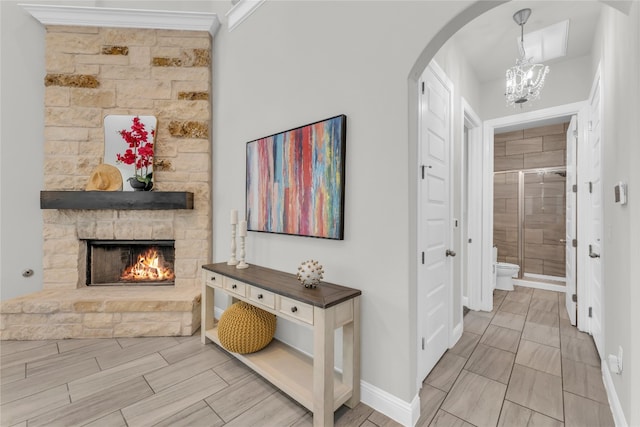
[[311, 381]]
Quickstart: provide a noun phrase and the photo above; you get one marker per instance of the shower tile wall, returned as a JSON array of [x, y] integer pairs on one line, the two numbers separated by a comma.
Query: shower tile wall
[[544, 218]]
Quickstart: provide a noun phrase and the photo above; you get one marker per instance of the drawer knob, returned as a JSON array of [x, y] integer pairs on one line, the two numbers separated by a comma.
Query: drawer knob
[[234, 286], [259, 296], [294, 309]]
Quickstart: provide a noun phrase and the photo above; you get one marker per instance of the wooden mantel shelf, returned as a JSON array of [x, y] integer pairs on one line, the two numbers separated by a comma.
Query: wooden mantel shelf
[[116, 200]]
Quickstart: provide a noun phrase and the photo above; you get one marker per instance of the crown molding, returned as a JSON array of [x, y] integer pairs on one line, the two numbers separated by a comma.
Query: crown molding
[[241, 11], [123, 18]]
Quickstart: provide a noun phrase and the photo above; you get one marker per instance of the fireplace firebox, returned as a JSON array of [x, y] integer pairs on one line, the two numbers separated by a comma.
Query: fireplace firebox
[[130, 262]]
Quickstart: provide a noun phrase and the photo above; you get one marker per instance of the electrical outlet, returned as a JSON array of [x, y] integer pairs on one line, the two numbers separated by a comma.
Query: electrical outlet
[[615, 362]]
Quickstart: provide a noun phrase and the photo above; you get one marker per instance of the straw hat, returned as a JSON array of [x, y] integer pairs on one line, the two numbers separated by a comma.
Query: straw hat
[[105, 178]]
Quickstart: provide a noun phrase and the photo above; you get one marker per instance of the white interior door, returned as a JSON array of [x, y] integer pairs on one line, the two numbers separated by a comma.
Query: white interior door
[[595, 207], [434, 265], [572, 143]]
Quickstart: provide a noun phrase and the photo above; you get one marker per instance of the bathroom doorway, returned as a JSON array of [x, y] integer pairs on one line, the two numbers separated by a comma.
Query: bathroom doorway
[[529, 219], [529, 223]]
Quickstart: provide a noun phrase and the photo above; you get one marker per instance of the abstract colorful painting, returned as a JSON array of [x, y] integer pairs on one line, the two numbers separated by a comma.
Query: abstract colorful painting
[[295, 180]]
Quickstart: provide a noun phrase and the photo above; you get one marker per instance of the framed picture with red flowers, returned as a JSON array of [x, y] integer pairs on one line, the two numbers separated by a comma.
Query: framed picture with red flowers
[[129, 146]]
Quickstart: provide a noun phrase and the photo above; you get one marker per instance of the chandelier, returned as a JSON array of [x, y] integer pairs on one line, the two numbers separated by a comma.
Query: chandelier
[[525, 79]]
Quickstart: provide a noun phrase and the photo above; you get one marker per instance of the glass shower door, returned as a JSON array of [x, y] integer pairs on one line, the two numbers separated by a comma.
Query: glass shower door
[[543, 224]]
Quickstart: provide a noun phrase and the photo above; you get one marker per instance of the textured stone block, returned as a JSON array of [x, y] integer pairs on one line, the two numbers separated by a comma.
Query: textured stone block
[[71, 80], [149, 305], [67, 277], [55, 261], [56, 96], [124, 72], [11, 306], [185, 42], [73, 116], [115, 50], [40, 306], [128, 37], [183, 111], [151, 317], [150, 89], [98, 320], [194, 146], [71, 133], [189, 129], [147, 329], [194, 96], [61, 148], [72, 43], [166, 62], [89, 306], [56, 62], [41, 332], [140, 55], [93, 98], [181, 73], [162, 231]]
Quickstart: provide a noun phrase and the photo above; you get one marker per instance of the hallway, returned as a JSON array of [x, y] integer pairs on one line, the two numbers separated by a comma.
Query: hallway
[[521, 365]]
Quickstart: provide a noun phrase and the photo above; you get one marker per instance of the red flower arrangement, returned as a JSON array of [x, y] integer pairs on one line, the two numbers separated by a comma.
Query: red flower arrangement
[[139, 153]]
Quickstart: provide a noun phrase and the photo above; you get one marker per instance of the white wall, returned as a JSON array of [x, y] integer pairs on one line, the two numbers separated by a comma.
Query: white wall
[[21, 150], [296, 62], [568, 81], [289, 64], [619, 53]]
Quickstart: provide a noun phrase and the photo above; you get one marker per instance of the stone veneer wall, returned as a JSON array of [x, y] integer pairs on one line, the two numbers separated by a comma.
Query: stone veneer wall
[[91, 73]]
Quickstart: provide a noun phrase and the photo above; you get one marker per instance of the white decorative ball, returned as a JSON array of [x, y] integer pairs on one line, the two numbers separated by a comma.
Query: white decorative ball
[[310, 273]]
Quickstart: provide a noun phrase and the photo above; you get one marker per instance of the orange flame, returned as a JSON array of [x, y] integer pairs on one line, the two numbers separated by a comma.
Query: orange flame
[[147, 268]]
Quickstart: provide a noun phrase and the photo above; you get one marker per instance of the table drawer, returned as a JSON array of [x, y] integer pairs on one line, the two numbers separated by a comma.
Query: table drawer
[[261, 297], [296, 309], [235, 287], [212, 279]]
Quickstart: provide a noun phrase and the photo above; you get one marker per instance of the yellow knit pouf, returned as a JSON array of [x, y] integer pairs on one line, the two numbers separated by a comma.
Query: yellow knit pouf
[[243, 328]]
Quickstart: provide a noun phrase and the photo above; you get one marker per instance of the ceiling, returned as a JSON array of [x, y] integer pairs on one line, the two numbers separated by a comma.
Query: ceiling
[[489, 42]]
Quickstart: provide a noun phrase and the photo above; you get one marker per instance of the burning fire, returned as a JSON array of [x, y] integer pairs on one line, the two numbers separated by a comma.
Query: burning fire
[[147, 268]]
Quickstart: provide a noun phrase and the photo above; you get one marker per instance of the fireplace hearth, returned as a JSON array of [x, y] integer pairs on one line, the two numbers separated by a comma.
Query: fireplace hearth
[[130, 262]]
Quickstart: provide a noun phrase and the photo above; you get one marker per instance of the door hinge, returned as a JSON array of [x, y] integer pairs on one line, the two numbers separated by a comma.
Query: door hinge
[[574, 243], [590, 187], [574, 298], [423, 88], [590, 122], [574, 188], [423, 257], [423, 343], [590, 311], [422, 167]]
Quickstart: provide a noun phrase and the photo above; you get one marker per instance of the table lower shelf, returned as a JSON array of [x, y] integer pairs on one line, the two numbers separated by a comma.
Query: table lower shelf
[[289, 370]]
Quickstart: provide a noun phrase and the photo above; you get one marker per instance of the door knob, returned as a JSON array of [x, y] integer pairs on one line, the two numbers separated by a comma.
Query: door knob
[[450, 253]]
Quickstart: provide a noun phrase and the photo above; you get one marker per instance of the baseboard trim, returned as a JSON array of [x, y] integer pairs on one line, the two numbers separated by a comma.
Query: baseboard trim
[[614, 402], [397, 409], [456, 334], [539, 285]]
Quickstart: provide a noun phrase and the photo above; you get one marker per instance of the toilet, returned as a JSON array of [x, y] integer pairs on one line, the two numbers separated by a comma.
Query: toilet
[[504, 273]]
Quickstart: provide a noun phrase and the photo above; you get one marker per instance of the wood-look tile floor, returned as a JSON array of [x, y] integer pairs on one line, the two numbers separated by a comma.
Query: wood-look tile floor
[[521, 365], [167, 381]]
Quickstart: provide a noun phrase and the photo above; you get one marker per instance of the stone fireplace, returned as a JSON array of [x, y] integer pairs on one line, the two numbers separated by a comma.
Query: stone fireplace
[[91, 72]]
